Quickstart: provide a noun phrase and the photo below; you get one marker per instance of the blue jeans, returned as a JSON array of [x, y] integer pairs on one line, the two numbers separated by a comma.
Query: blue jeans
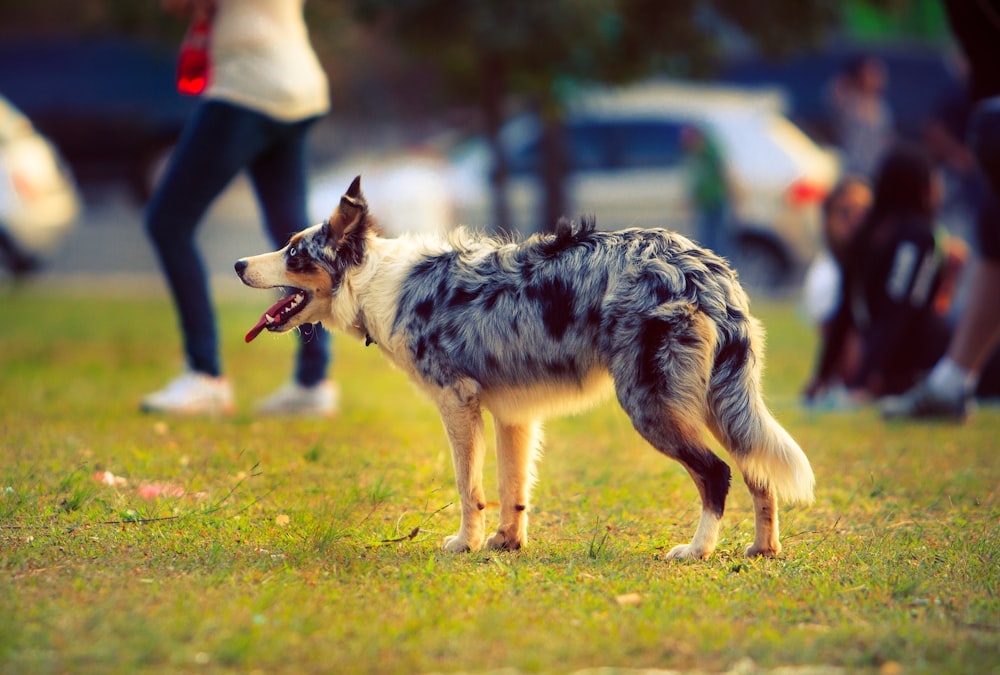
[[713, 229], [218, 142]]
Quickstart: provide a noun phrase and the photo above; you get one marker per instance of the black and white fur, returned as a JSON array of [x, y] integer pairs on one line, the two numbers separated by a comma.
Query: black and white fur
[[547, 327]]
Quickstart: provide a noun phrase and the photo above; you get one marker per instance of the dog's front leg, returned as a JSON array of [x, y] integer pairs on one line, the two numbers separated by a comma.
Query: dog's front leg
[[517, 448], [463, 421]]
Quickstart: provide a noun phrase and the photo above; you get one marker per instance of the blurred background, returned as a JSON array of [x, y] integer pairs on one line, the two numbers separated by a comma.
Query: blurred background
[[497, 114]]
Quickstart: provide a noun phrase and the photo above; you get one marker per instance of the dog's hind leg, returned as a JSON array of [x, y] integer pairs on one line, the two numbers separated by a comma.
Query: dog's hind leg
[[517, 449], [674, 435], [765, 524], [772, 463], [765, 506], [662, 379], [463, 420]]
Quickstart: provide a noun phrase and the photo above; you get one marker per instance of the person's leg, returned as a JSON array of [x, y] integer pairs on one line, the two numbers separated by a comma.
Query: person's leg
[[279, 176], [952, 382], [217, 142], [978, 331], [13, 258], [708, 229]]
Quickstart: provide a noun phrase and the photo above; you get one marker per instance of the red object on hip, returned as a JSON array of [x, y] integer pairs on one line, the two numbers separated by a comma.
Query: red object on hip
[[194, 64]]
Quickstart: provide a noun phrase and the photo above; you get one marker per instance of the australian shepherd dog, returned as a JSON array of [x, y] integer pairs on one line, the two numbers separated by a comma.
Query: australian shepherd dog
[[544, 327]]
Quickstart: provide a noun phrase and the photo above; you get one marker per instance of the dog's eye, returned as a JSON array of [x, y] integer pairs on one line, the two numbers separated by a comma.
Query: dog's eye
[[292, 252]]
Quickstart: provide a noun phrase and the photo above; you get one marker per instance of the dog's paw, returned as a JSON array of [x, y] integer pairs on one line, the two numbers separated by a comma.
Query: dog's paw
[[770, 551], [687, 552], [456, 543], [499, 541]]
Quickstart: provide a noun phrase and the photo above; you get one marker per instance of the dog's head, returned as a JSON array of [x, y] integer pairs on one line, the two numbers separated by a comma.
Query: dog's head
[[311, 268]]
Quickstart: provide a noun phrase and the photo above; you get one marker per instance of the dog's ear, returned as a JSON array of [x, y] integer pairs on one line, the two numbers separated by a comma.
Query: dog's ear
[[348, 215]]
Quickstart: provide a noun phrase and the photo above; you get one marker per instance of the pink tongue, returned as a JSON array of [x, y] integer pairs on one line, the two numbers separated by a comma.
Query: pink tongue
[[275, 313], [255, 331]]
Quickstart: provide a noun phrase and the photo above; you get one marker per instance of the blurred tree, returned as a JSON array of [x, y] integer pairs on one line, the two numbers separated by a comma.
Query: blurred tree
[[492, 51], [141, 19], [488, 50]]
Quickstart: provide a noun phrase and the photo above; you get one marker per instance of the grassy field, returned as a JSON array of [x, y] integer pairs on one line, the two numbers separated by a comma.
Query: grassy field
[[313, 546]]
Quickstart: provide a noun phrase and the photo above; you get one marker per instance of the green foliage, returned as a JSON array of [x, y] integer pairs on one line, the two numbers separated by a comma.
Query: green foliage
[[313, 546], [497, 52], [786, 25], [145, 20], [544, 44]]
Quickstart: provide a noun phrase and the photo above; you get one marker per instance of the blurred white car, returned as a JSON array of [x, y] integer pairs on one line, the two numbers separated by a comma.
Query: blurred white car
[[628, 169], [39, 203], [407, 192]]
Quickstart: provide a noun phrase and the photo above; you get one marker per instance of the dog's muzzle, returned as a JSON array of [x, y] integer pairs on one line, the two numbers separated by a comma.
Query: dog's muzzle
[[277, 317]]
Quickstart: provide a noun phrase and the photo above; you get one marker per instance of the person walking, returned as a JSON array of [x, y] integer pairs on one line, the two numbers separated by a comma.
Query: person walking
[[264, 88]]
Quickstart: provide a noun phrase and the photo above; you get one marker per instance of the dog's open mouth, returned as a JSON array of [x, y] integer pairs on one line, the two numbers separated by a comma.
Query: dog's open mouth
[[273, 319]]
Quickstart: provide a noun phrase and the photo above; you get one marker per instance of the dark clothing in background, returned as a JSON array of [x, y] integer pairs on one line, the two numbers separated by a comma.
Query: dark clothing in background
[[889, 286], [976, 24]]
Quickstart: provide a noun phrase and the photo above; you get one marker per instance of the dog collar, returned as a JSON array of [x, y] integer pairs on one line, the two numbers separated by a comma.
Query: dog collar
[[359, 324]]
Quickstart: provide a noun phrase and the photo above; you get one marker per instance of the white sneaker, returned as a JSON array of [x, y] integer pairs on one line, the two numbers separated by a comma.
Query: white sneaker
[[192, 393], [319, 400], [922, 402]]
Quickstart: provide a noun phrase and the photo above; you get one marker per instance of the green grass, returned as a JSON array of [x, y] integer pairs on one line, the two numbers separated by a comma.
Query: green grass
[[313, 546]]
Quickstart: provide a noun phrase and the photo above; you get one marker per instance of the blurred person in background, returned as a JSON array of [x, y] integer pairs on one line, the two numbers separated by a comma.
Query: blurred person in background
[[945, 136], [861, 120], [263, 89], [898, 274], [969, 364], [709, 190], [843, 211]]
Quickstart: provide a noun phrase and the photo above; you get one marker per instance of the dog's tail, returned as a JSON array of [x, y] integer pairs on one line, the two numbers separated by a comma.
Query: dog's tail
[[764, 452]]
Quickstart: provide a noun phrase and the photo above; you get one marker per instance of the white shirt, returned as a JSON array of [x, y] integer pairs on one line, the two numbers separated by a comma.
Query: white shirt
[[821, 288], [262, 59]]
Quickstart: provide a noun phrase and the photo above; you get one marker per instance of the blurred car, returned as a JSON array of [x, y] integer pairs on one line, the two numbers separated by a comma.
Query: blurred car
[[627, 167], [110, 106], [407, 191], [918, 77], [39, 203]]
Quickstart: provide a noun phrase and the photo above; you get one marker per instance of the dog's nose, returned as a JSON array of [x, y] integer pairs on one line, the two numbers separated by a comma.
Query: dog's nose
[[240, 266]]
